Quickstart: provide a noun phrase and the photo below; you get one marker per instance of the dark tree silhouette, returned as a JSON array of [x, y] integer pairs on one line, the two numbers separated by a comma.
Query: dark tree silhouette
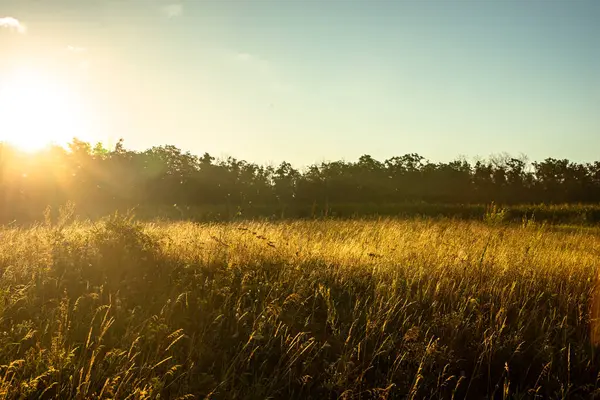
[[99, 180]]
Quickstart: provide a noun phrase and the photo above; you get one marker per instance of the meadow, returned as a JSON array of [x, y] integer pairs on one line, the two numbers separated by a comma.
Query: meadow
[[327, 309]]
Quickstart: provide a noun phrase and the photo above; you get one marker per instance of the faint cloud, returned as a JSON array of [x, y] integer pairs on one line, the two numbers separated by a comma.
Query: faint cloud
[[78, 56], [76, 49], [173, 10], [258, 66], [255, 62], [13, 24]]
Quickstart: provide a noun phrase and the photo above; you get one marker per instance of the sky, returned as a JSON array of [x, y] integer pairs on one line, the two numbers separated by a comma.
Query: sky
[[307, 81]]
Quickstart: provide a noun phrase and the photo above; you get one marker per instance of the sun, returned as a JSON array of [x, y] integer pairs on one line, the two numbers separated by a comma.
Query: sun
[[37, 110]]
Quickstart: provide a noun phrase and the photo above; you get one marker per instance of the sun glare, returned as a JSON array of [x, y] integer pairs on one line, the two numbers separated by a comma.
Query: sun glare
[[36, 110]]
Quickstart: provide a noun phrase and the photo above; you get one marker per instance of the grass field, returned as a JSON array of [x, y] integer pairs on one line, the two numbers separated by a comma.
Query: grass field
[[308, 309]]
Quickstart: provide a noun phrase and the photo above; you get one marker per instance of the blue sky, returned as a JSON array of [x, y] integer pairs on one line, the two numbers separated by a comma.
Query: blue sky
[[306, 81]]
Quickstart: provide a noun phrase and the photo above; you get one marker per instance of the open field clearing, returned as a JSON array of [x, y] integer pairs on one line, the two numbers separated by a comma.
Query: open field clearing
[[307, 309]]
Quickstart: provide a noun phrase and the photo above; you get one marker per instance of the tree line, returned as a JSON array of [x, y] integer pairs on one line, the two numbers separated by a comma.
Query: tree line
[[94, 177]]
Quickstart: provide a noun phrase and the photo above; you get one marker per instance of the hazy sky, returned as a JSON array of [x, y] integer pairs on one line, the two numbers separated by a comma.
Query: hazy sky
[[309, 80]]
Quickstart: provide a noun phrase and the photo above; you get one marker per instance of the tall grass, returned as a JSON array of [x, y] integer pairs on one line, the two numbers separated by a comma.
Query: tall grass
[[306, 309], [554, 214]]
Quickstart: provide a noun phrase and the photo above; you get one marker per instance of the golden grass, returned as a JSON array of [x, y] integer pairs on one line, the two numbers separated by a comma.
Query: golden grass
[[306, 309]]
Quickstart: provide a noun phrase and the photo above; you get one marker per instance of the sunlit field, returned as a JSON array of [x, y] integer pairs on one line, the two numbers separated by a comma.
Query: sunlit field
[[312, 309]]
